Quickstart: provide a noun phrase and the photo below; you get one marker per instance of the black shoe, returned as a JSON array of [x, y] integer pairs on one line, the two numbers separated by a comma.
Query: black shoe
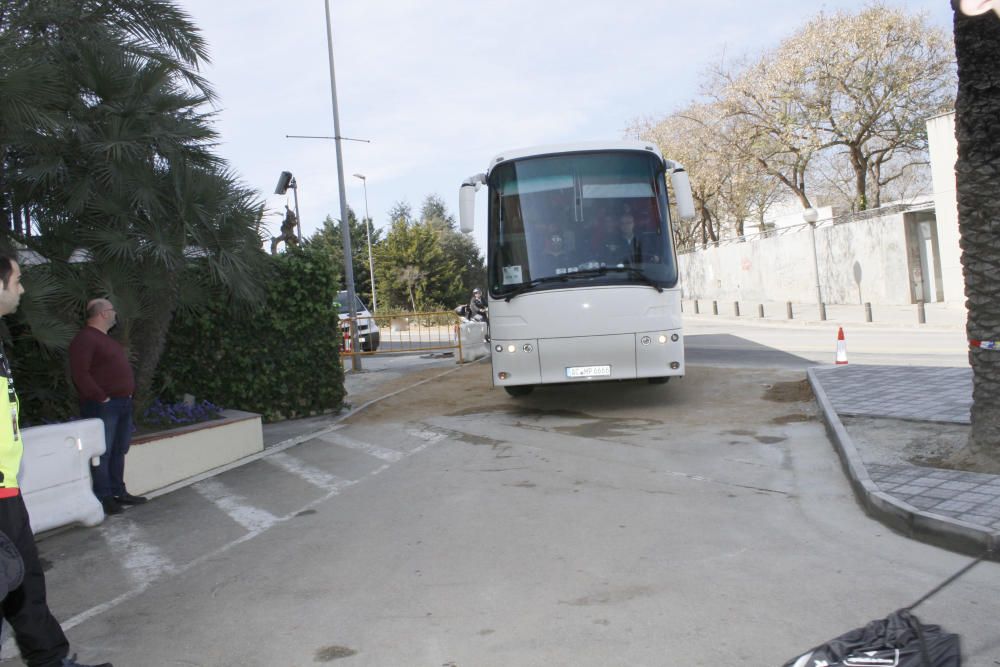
[[110, 506], [71, 662], [128, 499]]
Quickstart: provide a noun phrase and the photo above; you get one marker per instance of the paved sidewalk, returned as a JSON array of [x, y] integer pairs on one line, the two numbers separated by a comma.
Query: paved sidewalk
[[954, 509]]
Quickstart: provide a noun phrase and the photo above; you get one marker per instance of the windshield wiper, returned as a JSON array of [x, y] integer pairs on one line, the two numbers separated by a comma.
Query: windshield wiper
[[630, 270], [524, 287]]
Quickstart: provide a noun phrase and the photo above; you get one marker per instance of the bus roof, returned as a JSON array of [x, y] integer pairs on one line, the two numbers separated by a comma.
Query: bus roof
[[578, 147]]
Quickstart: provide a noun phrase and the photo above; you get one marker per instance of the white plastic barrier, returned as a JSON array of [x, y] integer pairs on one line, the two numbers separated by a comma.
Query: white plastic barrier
[[55, 473], [474, 344]]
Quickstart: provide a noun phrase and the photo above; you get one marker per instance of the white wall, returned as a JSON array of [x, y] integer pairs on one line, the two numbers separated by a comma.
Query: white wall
[[780, 267], [944, 153]]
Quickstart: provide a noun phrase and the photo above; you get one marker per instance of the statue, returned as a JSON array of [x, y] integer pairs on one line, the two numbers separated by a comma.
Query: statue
[[287, 232]]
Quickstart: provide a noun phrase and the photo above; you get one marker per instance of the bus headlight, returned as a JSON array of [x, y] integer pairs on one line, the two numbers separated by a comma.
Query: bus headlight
[[663, 339]]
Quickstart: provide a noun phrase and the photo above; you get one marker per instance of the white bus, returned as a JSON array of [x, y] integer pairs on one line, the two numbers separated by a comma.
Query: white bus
[[582, 269]]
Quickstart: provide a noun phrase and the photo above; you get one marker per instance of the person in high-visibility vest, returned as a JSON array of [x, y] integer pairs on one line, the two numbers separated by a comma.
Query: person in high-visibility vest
[[37, 633]]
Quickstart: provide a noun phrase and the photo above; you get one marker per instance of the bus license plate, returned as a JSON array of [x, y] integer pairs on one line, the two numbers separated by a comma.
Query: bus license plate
[[588, 371]]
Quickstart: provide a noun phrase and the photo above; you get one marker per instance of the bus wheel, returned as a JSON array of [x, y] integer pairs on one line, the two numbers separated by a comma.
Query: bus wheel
[[661, 380], [520, 390]]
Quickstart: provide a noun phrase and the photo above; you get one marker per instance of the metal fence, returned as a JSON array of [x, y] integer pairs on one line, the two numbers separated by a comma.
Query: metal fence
[[404, 333]]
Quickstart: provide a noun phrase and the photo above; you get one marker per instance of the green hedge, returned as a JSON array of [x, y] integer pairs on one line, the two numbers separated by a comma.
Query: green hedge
[[281, 361]]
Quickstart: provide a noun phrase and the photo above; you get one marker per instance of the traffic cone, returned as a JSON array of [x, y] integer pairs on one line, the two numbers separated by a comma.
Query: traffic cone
[[841, 347]]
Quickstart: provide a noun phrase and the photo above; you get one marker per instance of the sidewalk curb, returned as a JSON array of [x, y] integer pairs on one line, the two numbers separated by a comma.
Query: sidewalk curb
[[902, 517]]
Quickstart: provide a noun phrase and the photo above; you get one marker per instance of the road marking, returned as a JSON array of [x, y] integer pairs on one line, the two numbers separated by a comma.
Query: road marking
[[335, 438], [244, 514], [143, 561], [252, 518], [426, 434], [309, 473]]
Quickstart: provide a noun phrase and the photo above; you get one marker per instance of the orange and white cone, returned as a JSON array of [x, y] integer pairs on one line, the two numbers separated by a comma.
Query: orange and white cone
[[841, 347]]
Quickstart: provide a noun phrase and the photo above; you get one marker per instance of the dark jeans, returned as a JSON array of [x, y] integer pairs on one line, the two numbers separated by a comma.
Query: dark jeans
[[37, 633], [108, 475]]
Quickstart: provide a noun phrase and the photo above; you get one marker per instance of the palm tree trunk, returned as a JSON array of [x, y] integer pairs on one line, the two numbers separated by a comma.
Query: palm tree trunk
[[977, 129]]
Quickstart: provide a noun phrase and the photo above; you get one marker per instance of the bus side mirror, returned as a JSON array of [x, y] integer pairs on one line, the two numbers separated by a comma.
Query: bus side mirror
[[682, 194], [467, 202]]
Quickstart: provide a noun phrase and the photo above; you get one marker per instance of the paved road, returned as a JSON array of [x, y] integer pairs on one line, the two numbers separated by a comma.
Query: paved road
[[776, 345], [605, 524]]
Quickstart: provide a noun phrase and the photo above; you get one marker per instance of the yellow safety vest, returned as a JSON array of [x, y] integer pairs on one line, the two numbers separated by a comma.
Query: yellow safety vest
[[10, 433]]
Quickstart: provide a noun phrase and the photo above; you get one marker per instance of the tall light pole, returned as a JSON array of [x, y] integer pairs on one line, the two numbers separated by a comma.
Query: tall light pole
[[345, 229], [810, 215], [368, 228]]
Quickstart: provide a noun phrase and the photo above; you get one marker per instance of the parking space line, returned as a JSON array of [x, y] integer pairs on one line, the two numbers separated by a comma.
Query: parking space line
[[336, 438], [252, 518], [309, 473], [143, 561]]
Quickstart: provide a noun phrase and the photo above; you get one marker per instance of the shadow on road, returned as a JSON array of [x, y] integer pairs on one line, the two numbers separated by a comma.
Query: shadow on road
[[729, 350]]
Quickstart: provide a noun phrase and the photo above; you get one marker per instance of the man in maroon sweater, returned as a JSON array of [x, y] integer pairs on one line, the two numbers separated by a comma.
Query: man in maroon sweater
[[105, 382]]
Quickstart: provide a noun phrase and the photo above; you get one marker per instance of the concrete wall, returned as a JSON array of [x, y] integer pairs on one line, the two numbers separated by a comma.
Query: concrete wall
[[944, 153], [780, 267], [876, 260]]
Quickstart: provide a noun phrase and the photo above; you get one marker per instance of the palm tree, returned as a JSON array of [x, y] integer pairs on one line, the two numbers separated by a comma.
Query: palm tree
[[977, 120], [113, 160]]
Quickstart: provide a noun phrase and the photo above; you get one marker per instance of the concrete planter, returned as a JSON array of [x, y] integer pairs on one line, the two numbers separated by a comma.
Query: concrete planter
[[160, 459]]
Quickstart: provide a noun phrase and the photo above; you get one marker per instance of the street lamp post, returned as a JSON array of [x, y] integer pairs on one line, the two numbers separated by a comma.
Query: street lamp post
[[368, 229], [345, 229], [810, 215]]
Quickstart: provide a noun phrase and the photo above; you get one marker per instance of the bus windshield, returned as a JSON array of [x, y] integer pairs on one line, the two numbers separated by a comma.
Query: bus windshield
[[579, 218]]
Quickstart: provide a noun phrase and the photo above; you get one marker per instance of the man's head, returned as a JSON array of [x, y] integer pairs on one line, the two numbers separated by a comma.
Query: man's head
[[477, 293], [101, 314], [10, 277]]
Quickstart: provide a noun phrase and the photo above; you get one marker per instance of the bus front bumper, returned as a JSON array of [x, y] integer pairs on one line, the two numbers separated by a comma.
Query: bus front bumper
[[587, 358]]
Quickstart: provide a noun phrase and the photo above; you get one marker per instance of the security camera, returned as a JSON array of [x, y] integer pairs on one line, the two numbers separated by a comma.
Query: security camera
[[285, 181]]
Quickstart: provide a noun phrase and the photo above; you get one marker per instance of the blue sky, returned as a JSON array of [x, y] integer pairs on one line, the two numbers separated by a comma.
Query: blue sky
[[441, 86]]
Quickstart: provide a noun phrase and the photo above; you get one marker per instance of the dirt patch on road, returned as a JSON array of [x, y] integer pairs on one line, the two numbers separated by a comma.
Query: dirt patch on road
[[442, 392], [705, 397], [790, 392]]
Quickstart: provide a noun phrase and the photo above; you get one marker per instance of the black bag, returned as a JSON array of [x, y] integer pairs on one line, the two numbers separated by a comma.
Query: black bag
[[899, 640]]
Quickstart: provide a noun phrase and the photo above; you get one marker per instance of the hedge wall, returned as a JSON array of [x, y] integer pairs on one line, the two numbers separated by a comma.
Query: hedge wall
[[281, 361]]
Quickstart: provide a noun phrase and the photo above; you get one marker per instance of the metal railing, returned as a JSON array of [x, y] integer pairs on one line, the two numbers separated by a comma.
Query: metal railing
[[406, 333]]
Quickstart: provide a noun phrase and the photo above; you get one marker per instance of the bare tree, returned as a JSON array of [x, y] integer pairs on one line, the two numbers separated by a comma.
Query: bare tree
[[771, 121], [869, 81]]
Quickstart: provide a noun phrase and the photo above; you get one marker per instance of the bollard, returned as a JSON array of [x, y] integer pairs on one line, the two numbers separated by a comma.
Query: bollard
[[788, 309], [822, 311], [868, 311], [715, 307], [760, 311], [736, 308], [921, 313], [696, 311]]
